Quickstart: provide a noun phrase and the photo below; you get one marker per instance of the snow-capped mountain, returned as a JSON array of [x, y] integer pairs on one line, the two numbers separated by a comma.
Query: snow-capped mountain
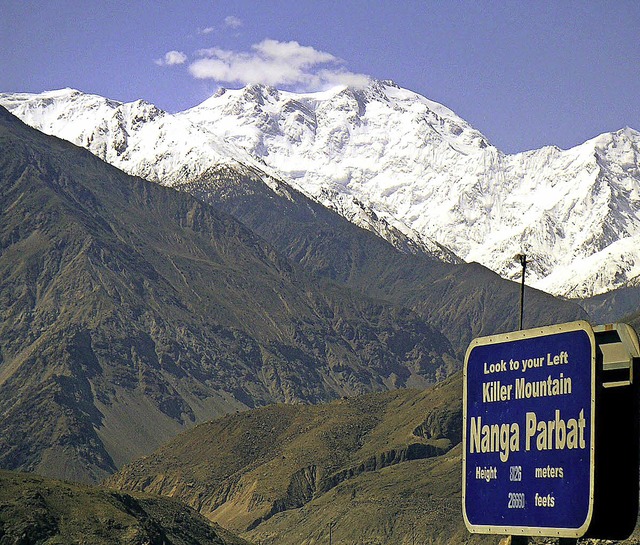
[[142, 140], [385, 156], [574, 212], [136, 137]]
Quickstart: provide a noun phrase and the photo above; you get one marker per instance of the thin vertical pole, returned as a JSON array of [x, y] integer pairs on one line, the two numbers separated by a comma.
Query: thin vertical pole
[[523, 262]]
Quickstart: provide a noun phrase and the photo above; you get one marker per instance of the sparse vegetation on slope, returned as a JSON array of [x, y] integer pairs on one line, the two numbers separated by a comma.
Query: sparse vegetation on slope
[[35, 510], [243, 470], [414, 502]]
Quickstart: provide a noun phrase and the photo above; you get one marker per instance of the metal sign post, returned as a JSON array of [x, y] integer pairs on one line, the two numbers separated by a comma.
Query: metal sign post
[[522, 258]]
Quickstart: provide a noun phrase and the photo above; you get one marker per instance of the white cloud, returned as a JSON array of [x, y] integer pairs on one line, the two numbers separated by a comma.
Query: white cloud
[[231, 21], [275, 63], [171, 58], [206, 30]]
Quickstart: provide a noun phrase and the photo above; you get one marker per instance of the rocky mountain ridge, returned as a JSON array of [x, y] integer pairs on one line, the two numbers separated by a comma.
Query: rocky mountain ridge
[[37, 511], [463, 300], [379, 468], [131, 310], [294, 456]]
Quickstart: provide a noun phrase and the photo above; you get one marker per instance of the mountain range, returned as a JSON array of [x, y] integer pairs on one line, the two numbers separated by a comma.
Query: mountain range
[[277, 309], [132, 310], [393, 162]]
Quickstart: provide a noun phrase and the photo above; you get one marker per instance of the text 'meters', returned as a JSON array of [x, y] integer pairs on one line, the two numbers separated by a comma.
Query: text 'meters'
[[529, 403]]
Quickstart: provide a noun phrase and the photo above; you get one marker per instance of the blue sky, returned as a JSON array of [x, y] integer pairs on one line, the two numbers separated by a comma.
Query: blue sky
[[525, 74]]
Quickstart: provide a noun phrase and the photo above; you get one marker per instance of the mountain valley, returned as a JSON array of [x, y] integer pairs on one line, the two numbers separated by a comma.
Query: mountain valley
[[259, 307]]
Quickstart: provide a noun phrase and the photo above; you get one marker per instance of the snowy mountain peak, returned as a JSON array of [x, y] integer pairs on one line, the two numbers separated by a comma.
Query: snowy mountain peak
[[620, 149], [394, 162], [395, 151], [137, 137], [262, 119]]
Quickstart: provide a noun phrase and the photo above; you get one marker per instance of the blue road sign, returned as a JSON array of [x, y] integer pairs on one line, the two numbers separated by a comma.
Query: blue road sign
[[528, 462]]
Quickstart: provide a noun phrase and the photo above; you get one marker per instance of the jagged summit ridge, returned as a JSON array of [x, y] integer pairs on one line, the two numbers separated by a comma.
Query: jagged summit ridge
[[145, 141], [386, 156], [416, 161]]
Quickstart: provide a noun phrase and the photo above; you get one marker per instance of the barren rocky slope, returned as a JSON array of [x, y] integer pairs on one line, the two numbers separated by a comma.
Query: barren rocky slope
[[130, 311], [257, 472]]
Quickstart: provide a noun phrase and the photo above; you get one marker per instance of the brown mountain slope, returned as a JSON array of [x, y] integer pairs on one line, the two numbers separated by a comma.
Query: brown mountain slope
[[464, 300], [130, 311], [36, 510], [252, 469], [410, 503]]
